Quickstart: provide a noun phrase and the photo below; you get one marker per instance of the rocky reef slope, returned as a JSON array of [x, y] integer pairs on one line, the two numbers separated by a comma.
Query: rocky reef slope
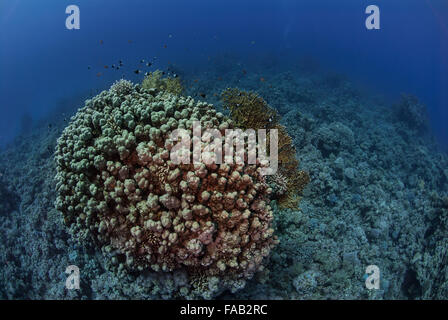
[[378, 195]]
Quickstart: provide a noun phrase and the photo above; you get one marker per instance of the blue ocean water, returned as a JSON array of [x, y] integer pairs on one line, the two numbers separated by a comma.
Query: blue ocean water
[[42, 63]]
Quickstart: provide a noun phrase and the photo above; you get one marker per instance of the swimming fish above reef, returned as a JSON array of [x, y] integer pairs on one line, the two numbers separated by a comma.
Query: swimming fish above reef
[[137, 71]]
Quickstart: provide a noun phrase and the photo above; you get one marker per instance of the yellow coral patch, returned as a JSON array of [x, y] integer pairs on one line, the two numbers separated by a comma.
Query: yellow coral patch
[[250, 111], [155, 80]]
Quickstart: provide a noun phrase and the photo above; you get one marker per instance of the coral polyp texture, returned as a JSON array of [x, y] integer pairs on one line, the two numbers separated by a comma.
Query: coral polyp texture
[[118, 188], [122, 87]]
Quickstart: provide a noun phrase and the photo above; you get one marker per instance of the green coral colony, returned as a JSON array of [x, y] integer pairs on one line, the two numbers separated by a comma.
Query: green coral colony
[[118, 188]]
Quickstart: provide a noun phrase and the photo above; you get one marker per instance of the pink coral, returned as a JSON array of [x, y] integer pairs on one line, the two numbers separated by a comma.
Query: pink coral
[[118, 186]]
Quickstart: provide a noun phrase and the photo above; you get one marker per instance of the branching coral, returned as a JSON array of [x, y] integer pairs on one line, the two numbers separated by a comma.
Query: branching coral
[[155, 80], [118, 187], [250, 111]]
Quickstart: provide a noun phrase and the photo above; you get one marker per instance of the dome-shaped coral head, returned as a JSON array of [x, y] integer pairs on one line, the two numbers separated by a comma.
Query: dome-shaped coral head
[[118, 186]]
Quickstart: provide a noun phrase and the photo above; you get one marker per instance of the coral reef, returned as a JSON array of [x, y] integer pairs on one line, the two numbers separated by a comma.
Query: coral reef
[[156, 80], [8, 200], [118, 186], [412, 112], [249, 111], [334, 138], [278, 183], [377, 195], [122, 87]]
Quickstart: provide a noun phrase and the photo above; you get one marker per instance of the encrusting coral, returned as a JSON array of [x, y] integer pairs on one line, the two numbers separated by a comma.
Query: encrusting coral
[[250, 111], [118, 187]]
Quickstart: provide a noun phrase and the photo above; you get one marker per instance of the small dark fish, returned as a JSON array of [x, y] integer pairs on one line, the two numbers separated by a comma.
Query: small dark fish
[[149, 64], [136, 71], [88, 67], [113, 66], [49, 126], [118, 68], [202, 95], [175, 75], [146, 74], [142, 61], [163, 73]]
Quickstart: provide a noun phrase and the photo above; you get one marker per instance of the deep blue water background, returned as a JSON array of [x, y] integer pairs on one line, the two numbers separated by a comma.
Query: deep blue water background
[[41, 62]]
